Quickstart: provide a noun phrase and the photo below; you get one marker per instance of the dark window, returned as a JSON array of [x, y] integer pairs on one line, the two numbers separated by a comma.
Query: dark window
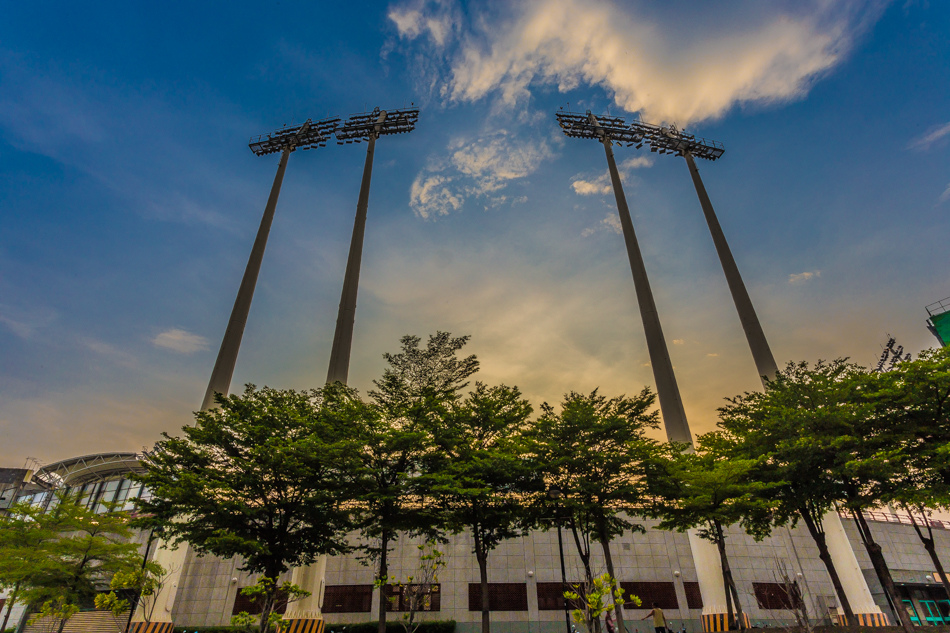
[[400, 597], [662, 593], [502, 596], [776, 595], [254, 606], [551, 596], [694, 597], [347, 599]]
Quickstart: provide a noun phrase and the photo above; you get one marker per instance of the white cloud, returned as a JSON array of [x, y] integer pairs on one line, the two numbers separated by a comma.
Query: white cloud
[[180, 341], [679, 341], [436, 19], [482, 168], [799, 278], [612, 222], [945, 195], [430, 195], [601, 186], [668, 64], [932, 135]]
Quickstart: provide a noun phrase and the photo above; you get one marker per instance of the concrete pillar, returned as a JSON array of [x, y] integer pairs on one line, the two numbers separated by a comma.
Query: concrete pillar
[[227, 356], [761, 353], [852, 578], [671, 404]]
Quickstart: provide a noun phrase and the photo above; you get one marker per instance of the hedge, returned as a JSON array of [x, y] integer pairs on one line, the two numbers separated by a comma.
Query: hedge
[[436, 626]]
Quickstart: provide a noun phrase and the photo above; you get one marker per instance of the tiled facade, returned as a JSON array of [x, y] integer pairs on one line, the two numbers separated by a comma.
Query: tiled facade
[[209, 585]]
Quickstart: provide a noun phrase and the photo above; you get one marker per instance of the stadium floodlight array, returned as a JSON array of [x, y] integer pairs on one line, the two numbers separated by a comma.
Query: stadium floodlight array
[[661, 138], [309, 135], [359, 127]]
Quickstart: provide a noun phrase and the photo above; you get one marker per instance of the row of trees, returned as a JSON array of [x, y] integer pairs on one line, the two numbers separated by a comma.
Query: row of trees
[[280, 477]]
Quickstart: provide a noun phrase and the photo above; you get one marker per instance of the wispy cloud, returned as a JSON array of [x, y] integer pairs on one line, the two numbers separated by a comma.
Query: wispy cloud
[[930, 137], [946, 194], [479, 169], [24, 323], [668, 64], [800, 278], [180, 341], [600, 186]]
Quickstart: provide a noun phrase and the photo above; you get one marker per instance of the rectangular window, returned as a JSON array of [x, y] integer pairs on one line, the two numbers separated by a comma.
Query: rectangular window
[[253, 605], [401, 597], [347, 599], [122, 492], [694, 597], [776, 595], [502, 596], [551, 596], [662, 593], [106, 495]]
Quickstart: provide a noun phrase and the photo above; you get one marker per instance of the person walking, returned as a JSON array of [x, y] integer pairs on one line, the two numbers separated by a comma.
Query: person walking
[[659, 619]]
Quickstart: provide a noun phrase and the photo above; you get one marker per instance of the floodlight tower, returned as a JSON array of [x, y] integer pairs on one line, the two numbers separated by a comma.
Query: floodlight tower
[[360, 127], [609, 130], [669, 140], [305, 615], [285, 140]]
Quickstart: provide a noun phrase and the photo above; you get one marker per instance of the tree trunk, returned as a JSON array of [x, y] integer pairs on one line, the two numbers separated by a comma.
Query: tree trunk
[[268, 605], [883, 573], [10, 602], [482, 557], [381, 578], [730, 610], [584, 554], [825, 556], [727, 573], [608, 559], [928, 542]]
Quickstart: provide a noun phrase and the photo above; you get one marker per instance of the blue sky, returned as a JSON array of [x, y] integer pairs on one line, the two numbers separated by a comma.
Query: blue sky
[[129, 199]]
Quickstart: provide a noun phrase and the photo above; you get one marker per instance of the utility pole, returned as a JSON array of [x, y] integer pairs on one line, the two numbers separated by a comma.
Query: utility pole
[[357, 128]]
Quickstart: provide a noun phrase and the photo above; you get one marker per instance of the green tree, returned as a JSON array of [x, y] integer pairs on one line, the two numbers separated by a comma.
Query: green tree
[[708, 491], [915, 402], [23, 544], [87, 550], [145, 584], [259, 477], [595, 598], [390, 436], [478, 472], [595, 451], [785, 429]]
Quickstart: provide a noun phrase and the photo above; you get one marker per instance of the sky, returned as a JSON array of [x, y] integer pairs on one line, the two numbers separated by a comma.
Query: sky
[[129, 199]]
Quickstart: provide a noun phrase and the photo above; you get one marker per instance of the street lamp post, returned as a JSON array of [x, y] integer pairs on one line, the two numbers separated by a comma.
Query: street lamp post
[[555, 493]]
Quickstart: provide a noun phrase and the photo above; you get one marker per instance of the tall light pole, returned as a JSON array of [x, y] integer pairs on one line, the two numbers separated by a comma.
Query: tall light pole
[[286, 140], [609, 130], [669, 140], [360, 127], [305, 616]]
